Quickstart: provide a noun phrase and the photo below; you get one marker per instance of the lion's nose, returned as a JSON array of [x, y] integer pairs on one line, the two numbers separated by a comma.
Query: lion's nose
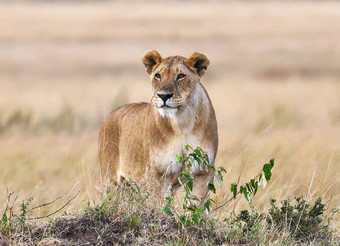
[[165, 97]]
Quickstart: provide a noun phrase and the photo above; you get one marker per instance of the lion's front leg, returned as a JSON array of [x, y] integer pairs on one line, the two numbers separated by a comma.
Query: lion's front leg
[[200, 188], [160, 183], [167, 186]]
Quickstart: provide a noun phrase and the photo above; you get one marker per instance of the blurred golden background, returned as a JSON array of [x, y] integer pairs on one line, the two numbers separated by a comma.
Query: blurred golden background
[[274, 80]]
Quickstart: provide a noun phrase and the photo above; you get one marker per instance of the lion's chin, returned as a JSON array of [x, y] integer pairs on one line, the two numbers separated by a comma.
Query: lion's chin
[[167, 106], [166, 111]]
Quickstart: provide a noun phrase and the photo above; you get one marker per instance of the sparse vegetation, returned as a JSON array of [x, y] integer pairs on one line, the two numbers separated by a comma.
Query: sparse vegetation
[[130, 215]]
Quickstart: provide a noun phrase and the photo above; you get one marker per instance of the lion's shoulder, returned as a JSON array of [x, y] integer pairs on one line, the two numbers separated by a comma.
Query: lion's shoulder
[[127, 110]]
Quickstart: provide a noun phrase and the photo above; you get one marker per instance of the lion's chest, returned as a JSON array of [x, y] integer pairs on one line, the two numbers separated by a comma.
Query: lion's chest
[[163, 158]]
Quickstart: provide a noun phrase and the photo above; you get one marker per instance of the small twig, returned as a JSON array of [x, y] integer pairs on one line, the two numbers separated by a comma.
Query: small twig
[[8, 196], [45, 216], [230, 199], [45, 204], [227, 201]]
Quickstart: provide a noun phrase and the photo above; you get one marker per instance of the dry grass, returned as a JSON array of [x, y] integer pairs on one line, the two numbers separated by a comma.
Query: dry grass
[[274, 80]]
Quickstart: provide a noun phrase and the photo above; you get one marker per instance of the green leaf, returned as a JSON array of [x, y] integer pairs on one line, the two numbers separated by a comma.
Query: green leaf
[[180, 158], [206, 158], [207, 205], [222, 169], [256, 186], [190, 185], [233, 189], [245, 192], [170, 200], [186, 197], [260, 177], [212, 168], [190, 179], [183, 173], [195, 219], [4, 218], [187, 177], [198, 152], [167, 211], [197, 159], [185, 220], [267, 171], [211, 186], [195, 198], [252, 182], [187, 147], [200, 210], [250, 190]]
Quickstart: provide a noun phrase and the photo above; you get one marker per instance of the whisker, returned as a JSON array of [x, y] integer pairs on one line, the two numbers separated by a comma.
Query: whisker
[[178, 101]]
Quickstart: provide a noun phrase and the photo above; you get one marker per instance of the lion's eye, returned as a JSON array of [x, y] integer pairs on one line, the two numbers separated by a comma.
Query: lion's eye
[[158, 76], [180, 76]]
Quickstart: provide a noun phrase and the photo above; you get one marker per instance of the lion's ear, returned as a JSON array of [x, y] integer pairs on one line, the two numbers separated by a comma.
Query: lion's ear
[[151, 60], [198, 62]]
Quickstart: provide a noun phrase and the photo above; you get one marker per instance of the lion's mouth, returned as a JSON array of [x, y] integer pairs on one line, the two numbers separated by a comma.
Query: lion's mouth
[[167, 106]]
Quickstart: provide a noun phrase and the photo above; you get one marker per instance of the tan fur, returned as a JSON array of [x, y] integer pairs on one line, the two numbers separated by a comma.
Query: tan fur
[[141, 140]]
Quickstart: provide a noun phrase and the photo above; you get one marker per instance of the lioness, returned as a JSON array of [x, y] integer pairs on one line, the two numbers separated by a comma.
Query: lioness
[[141, 140]]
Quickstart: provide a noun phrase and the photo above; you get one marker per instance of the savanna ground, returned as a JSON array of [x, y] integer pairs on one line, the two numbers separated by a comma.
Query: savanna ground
[[274, 80]]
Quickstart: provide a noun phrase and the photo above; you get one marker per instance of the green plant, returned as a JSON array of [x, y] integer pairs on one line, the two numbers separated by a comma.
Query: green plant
[[133, 221], [251, 220], [193, 209], [22, 217], [126, 192], [303, 220], [250, 188], [9, 218], [6, 218], [11, 221], [297, 220], [99, 211]]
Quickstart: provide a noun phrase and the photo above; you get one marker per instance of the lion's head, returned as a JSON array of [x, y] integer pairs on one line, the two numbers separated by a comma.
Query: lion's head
[[174, 80]]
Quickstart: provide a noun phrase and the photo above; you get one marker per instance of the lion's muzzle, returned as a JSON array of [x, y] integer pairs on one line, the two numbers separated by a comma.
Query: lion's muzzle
[[165, 97]]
